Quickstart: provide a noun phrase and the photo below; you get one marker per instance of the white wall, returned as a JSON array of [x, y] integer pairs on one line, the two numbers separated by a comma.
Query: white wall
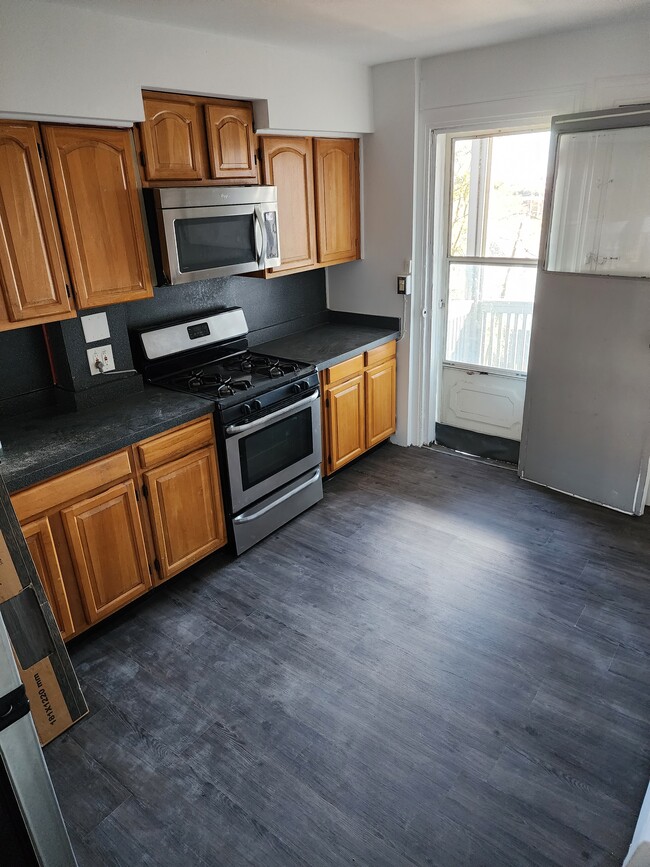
[[67, 62], [369, 286], [532, 78]]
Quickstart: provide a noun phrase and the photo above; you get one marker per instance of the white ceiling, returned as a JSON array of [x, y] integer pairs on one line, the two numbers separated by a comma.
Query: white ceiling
[[374, 31]]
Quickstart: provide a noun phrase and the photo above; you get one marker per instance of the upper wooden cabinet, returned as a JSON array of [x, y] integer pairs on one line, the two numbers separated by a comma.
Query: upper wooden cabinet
[[33, 276], [231, 140], [337, 199], [95, 189], [288, 165], [318, 200], [172, 138], [197, 141]]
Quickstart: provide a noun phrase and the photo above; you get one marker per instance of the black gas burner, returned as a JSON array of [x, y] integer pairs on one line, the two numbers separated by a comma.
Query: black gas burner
[[197, 380], [264, 365]]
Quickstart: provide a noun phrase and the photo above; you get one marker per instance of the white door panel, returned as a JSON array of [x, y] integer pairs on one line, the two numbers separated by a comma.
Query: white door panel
[[483, 402]]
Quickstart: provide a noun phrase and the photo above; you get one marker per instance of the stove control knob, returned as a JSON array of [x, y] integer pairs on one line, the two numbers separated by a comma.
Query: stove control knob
[[296, 388], [304, 385], [256, 405], [245, 410]]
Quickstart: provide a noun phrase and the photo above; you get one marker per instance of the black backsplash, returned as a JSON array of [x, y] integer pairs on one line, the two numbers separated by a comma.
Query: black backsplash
[[24, 365], [272, 308], [266, 303]]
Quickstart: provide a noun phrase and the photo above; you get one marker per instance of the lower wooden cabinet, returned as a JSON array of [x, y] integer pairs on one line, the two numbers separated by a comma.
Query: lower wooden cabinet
[[107, 544], [358, 405], [184, 506], [40, 541], [346, 422], [104, 533]]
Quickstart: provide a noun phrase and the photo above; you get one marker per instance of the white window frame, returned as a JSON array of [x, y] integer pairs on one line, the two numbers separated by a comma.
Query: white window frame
[[480, 224]]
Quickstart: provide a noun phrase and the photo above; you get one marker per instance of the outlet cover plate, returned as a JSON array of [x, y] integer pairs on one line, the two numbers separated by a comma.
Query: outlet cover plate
[[104, 354]]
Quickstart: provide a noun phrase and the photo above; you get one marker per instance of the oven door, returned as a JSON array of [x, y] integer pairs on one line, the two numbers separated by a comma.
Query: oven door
[[205, 242], [271, 451]]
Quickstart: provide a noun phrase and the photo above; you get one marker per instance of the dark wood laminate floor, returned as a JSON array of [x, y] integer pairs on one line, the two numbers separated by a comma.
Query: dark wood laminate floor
[[439, 664]]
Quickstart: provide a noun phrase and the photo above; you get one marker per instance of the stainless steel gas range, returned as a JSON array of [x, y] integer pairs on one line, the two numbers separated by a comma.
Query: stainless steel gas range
[[267, 416]]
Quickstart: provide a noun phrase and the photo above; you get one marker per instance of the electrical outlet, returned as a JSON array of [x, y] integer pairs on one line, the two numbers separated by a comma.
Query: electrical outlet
[[100, 355]]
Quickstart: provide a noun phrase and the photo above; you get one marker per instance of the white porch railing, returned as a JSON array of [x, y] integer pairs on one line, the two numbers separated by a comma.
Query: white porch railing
[[490, 333]]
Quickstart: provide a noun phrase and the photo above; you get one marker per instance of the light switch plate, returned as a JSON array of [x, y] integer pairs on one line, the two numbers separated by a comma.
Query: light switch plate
[[95, 327]]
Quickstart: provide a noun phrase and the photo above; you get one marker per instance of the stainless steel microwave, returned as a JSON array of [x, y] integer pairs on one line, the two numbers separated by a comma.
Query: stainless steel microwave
[[216, 231]]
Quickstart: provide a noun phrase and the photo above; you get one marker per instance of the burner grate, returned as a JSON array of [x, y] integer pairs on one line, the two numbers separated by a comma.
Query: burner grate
[[198, 380]]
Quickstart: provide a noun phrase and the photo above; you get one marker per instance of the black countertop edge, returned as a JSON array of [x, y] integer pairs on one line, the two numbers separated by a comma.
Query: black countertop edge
[[39, 446]]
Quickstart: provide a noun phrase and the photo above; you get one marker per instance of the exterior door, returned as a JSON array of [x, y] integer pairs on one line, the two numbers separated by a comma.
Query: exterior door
[[587, 415], [495, 194]]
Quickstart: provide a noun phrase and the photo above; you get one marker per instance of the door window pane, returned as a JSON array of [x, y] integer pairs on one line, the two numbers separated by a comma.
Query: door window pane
[[489, 315], [497, 197], [600, 222]]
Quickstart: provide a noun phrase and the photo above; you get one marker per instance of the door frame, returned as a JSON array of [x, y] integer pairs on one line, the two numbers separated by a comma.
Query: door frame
[[531, 110]]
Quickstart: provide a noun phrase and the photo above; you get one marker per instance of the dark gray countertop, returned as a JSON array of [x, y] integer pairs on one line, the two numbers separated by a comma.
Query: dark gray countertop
[[42, 444], [330, 343]]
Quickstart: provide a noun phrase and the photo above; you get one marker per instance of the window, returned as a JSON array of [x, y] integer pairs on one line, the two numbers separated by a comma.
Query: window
[[496, 200]]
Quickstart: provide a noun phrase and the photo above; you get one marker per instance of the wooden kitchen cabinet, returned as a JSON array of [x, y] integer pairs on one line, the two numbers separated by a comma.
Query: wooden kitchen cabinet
[[102, 533], [108, 547], [197, 141], [231, 140], [318, 200], [288, 165], [358, 405], [172, 138], [33, 275], [94, 182], [336, 163], [346, 422], [40, 541], [183, 495]]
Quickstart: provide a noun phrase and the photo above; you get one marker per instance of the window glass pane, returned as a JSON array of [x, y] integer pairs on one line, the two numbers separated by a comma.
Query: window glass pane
[[489, 315], [600, 222], [515, 195], [497, 199], [460, 243]]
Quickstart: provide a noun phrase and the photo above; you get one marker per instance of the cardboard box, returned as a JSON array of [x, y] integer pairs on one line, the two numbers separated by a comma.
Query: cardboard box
[[55, 697]]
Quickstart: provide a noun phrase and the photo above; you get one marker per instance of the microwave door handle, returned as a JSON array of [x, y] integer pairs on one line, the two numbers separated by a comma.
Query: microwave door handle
[[260, 237]]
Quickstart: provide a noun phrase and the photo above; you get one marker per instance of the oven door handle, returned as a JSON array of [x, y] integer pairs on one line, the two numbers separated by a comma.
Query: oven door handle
[[261, 422], [244, 519]]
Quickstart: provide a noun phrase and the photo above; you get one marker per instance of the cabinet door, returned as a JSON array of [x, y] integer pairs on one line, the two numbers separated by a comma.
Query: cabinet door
[[380, 402], [95, 189], [337, 199], [38, 535], [108, 550], [32, 271], [289, 165], [231, 141], [172, 139], [186, 510], [346, 417]]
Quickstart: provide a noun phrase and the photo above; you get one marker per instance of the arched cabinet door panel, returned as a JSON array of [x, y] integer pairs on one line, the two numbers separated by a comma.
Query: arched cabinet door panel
[[288, 165], [172, 138], [336, 163], [231, 141], [33, 275], [93, 177]]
